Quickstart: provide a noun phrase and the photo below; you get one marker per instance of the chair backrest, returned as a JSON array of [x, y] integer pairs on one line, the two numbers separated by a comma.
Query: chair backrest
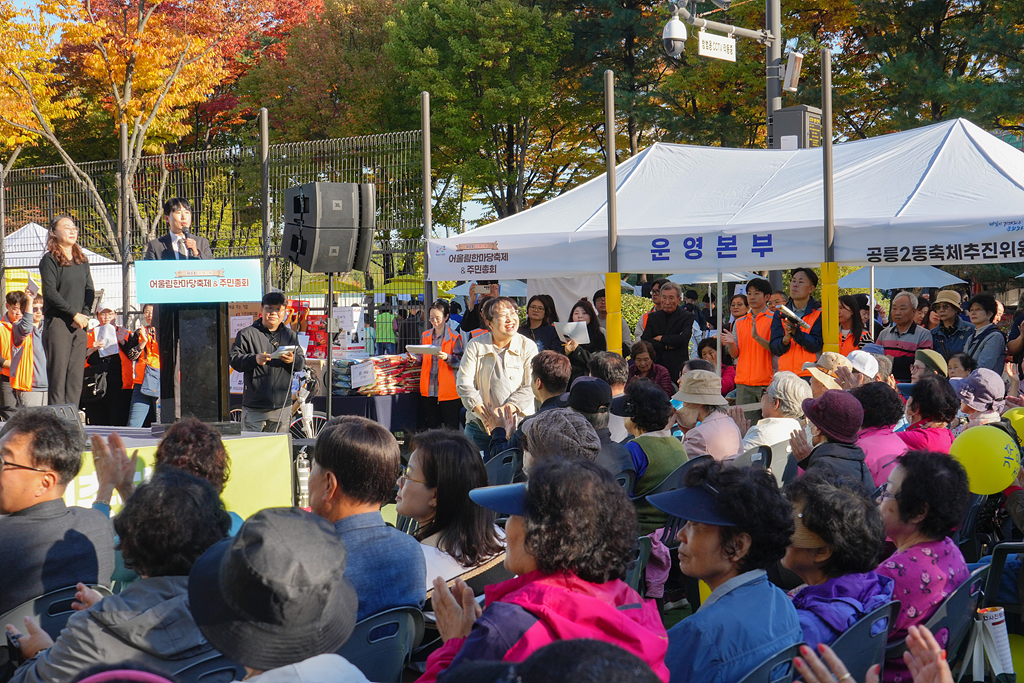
[[501, 469], [215, 669], [675, 478], [863, 645], [995, 574], [51, 611], [381, 645], [776, 669], [626, 479], [635, 570], [784, 465], [966, 533], [953, 619], [758, 456]]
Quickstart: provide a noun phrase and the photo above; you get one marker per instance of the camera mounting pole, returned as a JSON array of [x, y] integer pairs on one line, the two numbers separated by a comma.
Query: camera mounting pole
[[763, 36]]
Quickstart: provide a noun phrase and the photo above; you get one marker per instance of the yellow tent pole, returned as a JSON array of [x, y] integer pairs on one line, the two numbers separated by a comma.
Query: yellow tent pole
[[830, 306], [613, 305]]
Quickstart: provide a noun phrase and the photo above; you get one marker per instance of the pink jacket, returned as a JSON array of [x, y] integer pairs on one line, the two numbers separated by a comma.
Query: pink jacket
[[881, 447], [921, 438], [558, 607]]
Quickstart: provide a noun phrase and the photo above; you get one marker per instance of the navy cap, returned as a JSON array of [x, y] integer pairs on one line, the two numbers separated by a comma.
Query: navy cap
[[623, 406], [509, 499], [694, 504], [587, 395]]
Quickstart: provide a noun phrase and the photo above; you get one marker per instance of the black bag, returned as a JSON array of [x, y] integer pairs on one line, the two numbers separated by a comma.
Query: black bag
[[94, 386]]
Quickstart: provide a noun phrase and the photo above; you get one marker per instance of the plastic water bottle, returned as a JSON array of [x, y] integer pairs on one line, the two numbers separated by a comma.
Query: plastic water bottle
[[302, 469]]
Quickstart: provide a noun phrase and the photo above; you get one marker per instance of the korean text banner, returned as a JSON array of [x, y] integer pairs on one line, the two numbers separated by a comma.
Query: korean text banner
[[199, 282]]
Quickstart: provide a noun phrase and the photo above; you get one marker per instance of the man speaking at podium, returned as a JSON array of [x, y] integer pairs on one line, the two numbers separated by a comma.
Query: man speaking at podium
[[178, 243]]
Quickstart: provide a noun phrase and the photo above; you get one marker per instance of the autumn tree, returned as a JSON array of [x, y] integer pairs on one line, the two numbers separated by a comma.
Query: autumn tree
[[147, 61]]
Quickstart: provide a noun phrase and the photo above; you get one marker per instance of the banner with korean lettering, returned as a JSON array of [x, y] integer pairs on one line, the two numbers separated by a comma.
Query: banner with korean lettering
[[197, 281]]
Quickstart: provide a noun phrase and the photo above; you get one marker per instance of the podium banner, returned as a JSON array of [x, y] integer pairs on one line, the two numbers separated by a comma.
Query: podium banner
[[199, 281]]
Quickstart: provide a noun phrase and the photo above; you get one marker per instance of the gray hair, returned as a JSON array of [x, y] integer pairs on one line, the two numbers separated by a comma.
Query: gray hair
[[598, 421], [672, 285], [913, 299], [790, 391], [884, 365]]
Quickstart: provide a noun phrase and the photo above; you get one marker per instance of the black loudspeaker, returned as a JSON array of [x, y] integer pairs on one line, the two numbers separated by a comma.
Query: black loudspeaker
[[329, 226]]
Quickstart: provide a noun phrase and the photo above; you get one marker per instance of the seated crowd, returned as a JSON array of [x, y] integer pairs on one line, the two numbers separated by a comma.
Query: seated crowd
[[823, 492]]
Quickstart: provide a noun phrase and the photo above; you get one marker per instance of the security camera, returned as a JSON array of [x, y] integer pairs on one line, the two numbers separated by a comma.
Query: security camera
[[723, 4], [674, 37]]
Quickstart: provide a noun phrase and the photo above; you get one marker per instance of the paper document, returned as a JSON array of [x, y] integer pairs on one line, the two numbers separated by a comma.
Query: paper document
[[32, 287], [108, 335], [239, 323], [423, 349], [283, 350], [575, 331]]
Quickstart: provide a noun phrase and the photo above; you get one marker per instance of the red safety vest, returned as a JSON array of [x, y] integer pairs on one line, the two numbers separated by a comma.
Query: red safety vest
[[445, 375], [794, 359]]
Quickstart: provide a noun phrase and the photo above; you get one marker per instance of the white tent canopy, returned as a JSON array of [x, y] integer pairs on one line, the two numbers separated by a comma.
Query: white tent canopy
[[899, 277], [711, 278], [946, 193], [24, 247]]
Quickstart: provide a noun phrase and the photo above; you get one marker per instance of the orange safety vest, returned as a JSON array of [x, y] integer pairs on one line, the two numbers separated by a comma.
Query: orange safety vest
[[445, 375], [849, 344], [127, 374], [150, 356], [24, 374], [477, 332], [794, 359], [5, 344]]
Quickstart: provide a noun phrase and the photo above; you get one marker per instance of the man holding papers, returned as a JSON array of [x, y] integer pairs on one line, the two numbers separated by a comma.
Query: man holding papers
[[260, 353]]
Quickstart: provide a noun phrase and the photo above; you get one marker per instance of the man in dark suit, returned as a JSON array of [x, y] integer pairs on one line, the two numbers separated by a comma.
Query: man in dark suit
[[46, 545], [669, 330], [178, 243]]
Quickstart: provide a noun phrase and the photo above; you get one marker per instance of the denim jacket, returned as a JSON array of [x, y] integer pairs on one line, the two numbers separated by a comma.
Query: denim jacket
[[949, 344], [743, 622], [385, 566]]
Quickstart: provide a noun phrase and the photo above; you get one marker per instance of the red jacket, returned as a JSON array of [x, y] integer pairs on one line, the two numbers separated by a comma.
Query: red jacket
[[534, 610]]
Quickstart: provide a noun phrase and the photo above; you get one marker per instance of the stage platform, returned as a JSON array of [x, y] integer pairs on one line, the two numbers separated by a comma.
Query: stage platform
[[261, 473]]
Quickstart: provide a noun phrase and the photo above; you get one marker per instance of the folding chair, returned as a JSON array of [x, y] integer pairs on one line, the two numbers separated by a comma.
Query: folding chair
[[502, 468], [626, 479], [381, 645], [635, 571], [670, 483], [954, 618], [758, 456], [776, 669], [863, 645], [215, 669], [51, 611], [966, 533]]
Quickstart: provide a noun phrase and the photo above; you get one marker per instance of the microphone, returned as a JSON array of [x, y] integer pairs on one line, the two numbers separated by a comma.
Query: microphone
[[188, 236], [793, 317]]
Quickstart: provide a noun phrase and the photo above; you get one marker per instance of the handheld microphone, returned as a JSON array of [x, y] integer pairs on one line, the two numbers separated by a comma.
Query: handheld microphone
[[793, 317], [189, 252]]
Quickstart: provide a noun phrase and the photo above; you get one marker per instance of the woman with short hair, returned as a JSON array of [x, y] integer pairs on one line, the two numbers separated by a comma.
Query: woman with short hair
[[839, 536], [883, 410], [708, 350], [932, 405], [737, 525], [644, 367], [655, 453], [924, 498], [570, 537], [163, 529], [987, 344], [456, 536]]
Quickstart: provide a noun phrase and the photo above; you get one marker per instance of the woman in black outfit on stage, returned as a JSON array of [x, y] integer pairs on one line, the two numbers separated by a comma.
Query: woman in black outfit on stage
[[68, 294], [579, 354]]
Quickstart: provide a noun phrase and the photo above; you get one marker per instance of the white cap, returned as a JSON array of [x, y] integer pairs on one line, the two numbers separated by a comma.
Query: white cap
[[864, 363]]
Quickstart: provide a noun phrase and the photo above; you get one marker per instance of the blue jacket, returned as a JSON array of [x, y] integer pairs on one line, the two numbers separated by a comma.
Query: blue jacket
[[743, 622], [828, 609], [384, 565], [949, 344]]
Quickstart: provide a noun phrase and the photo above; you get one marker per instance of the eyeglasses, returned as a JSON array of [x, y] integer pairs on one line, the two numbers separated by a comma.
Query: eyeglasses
[[882, 492], [537, 309], [404, 478], [15, 466]]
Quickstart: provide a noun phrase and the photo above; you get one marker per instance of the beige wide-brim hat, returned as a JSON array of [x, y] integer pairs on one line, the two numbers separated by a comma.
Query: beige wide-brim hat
[[949, 296], [701, 387], [828, 380]]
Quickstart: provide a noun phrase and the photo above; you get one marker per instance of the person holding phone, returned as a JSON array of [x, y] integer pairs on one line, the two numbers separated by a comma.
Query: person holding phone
[[68, 295], [266, 397]]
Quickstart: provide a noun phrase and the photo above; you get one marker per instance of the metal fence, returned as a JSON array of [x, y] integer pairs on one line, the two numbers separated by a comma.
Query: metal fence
[[224, 188]]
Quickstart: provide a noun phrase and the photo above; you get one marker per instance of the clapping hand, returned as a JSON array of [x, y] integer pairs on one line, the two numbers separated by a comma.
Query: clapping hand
[[728, 339], [800, 445], [847, 380], [456, 610], [510, 416], [740, 418], [924, 658]]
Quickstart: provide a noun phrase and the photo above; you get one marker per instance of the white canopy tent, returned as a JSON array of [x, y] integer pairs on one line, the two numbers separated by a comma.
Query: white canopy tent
[[946, 193], [24, 247], [899, 277]]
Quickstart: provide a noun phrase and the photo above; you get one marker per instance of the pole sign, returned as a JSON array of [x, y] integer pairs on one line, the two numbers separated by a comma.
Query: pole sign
[[715, 46]]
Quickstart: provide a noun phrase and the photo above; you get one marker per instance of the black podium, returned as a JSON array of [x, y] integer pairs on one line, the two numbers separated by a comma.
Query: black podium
[[194, 359], [191, 298]]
